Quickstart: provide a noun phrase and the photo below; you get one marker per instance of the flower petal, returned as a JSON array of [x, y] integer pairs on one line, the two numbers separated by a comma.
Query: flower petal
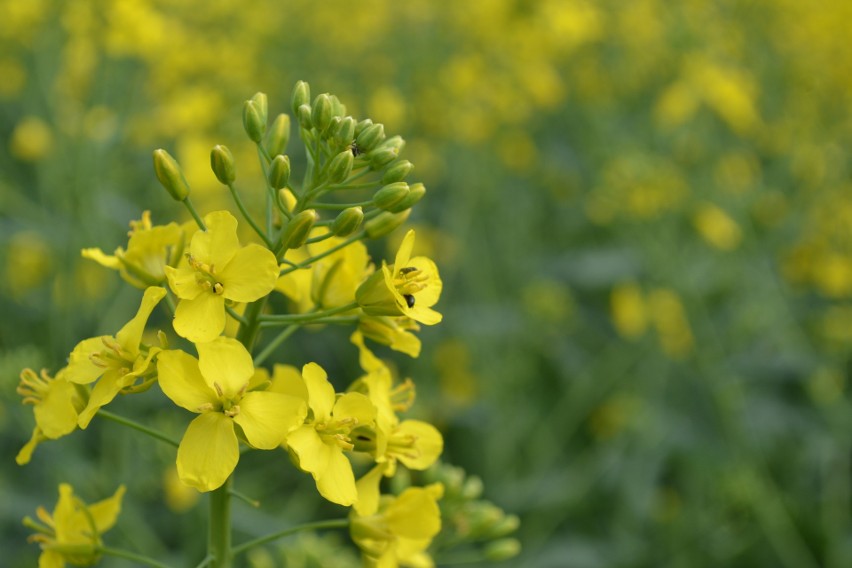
[[56, 416], [208, 452], [336, 482], [403, 254], [368, 491], [267, 417], [414, 514], [427, 447], [80, 368], [183, 282], [251, 274], [217, 245], [320, 391], [226, 362], [355, 405], [286, 379], [103, 393], [429, 295], [101, 258], [201, 319], [130, 336], [181, 380], [106, 512]]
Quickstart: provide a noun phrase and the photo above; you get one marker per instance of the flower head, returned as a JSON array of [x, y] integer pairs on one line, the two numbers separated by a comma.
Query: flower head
[[73, 532], [216, 387], [409, 287], [218, 269]]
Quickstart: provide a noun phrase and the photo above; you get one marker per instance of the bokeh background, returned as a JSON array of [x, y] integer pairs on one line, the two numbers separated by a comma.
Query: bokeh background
[[641, 211]]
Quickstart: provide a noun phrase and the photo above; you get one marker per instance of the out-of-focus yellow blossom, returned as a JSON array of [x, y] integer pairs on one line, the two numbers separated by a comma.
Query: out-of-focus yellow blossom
[[629, 310], [215, 386], [716, 227], [218, 270], [396, 531], [115, 362], [409, 287], [613, 416], [31, 140], [73, 532], [56, 405], [318, 445], [671, 323], [179, 498], [29, 260], [452, 360], [149, 250]]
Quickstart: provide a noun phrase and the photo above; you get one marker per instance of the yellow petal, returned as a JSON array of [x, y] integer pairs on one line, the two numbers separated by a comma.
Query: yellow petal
[[208, 452], [267, 417], [368, 491], [217, 245], [130, 336], [103, 393], [26, 453], [101, 258], [429, 295], [56, 415], [250, 275], [181, 380], [80, 368], [106, 512], [424, 315], [183, 282], [226, 362], [308, 447], [335, 481], [414, 514], [403, 254], [202, 319], [355, 405], [428, 444], [320, 391], [286, 379]]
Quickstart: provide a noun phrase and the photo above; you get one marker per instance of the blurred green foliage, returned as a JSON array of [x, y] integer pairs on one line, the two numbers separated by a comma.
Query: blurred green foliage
[[641, 212]]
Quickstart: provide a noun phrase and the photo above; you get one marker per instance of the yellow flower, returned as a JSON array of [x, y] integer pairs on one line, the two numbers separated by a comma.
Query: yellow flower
[[398, 530], [409, 287], [56, 405], [149, 250], [218, 270], [117, 361], [73, 532], [215, 386], [318, 445], [395, 332]]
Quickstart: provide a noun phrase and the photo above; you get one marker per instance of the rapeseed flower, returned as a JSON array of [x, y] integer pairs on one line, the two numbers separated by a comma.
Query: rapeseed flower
[[218, 269], [216, 387]]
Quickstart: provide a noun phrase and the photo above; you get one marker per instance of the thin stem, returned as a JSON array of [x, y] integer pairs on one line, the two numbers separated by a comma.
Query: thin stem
[[247, 217], [188, 204], [273, 345], [137, 426], [219, 541], [331, 524], [336, 206], [205, 561], [127, 555], [247, 334], [309, 317], [319, 238], [233, 313], [324, 254], [245, 498]]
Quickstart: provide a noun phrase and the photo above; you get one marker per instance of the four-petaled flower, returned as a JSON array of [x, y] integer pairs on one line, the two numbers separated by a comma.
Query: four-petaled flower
[[216, 387], [218, 269]]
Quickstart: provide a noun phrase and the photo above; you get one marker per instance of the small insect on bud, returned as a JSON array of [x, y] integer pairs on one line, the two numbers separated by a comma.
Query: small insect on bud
[[170, 175], [416, 191], [390, 195], [384, 223], [370, 137], [321, 112], [279, 172], [253, 122], [301, 96], [303, 113], [397, 172], [347, 222], [222, 164], [299, 228], [340, 167], [279, 135]]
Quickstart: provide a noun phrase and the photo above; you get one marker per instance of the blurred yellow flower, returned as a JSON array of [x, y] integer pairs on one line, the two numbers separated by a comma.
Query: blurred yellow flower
[[32, 139], [716, 227], [628, 310], [671, 323]]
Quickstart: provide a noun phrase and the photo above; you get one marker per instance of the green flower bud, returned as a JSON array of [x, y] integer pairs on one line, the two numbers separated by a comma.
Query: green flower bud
[[301, 96], [321, 113], [279, 135], [416, 191], [170, 175], [503, 549], [299, 228], [398, 172], [370, 137], [472, 488], [253, 122], [303, 113], [504, 526], [347, 222], [390, 195], [385, 222], [360, 126], [287, 198], [259, 99], [340, 166], [337, 107], [397, 142], [381, 157], [222, 164], [279, 172], [345, 131]]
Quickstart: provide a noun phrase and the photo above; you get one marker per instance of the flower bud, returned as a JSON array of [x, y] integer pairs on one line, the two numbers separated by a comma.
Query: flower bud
[[253, 121], [361, 125], [321, 112], [397, 142], [287, 198], [397, 172], [259, 99], [279, 135], [347, 222], [170, 175], [390, 195], [222, 164], [416, 191], [381, 157], [301, 96], [370, 137], [345, 131], [384, 223], [279, 172], [337, 107], [340, 166], [503, 549], [507, 525], [299, 228], [303, 113]]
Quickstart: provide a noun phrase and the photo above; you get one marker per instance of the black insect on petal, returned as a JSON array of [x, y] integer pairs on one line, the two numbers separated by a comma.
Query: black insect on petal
[[409, 299]]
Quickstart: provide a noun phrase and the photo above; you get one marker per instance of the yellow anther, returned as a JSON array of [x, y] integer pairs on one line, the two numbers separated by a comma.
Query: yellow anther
[[206, 407], [218, 288], [233, 411]]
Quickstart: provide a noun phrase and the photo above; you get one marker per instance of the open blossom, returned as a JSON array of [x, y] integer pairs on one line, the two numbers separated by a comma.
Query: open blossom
[[218, 269], [409, 287], [216, 387], [115, 362]]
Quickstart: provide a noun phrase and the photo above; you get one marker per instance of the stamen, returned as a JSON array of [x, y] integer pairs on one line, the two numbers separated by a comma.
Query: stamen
[[218, 389]]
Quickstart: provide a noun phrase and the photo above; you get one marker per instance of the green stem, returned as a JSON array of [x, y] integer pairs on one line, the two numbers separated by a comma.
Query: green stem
[[309, 317], [273, 345], [137, 426], [233, 313], [324, 254], [219, 541], [127, 555], [338, 206], [188, 204], [245, 498], [331, 524], [247, 217], [250, 327]]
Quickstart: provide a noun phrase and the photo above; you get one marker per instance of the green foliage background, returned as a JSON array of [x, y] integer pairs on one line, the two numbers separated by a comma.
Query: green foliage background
[[641, 211]]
